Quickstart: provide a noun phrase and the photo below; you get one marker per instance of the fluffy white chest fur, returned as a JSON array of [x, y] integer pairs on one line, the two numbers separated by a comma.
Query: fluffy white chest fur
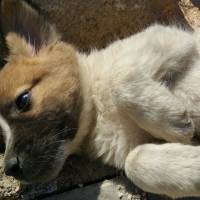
[[114, 134]]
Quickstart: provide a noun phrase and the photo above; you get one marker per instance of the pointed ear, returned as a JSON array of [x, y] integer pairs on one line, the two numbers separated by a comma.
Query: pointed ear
[[17, 16]]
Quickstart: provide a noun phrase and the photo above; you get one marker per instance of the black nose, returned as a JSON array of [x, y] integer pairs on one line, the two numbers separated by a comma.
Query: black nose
[[12, 167]]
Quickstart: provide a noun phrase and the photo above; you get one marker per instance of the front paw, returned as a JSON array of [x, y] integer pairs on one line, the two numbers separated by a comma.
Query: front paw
[[182, 126]]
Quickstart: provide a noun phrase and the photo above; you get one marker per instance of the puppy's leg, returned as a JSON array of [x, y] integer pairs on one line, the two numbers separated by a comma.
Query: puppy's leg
[[169, 52], [143, 81], [155, 109], [169, 169]]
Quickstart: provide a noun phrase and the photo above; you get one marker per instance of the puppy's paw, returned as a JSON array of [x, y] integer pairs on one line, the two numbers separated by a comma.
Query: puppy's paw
[[182, 127]]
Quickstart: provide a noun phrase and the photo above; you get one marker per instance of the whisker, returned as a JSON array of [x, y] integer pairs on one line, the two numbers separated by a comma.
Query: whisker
[[68, 131]]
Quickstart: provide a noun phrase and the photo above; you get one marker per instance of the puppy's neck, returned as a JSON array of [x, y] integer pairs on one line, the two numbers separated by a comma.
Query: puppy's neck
[[86, 109]]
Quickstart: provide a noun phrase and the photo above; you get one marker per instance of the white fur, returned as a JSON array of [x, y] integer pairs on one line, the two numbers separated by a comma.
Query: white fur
[[124, 86], [7, 133], [170, 169]]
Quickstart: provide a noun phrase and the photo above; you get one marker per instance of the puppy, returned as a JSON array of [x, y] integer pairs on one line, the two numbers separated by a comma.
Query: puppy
[[134, 104]]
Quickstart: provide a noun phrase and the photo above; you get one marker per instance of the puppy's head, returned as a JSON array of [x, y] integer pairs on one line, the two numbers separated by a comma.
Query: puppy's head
[[39, 94]]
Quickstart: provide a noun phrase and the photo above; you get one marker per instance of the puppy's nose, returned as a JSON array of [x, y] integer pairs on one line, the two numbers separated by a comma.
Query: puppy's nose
[[12, 167]]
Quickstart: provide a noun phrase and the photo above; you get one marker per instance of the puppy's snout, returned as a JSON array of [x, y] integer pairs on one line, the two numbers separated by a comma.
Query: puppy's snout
[[12, 167]]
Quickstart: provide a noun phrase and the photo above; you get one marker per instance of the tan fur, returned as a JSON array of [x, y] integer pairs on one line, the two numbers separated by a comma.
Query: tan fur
[[38, 68]]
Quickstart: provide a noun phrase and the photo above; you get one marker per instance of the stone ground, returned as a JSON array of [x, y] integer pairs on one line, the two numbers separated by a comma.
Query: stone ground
[[91, 23]]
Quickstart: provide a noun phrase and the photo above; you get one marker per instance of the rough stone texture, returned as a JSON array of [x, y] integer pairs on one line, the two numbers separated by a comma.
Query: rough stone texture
[[88, 24], [190, 9], [8, 186]]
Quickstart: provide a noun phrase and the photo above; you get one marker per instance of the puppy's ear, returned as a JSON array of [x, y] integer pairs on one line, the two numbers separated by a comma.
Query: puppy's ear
[[32, 30]]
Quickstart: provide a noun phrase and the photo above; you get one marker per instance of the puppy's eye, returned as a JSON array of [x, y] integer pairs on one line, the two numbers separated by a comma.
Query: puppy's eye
[[23, 101]]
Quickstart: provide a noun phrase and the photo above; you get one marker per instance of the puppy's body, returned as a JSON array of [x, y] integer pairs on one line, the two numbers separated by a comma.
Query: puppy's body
[[127, 99], [119, 83], [112, 134]]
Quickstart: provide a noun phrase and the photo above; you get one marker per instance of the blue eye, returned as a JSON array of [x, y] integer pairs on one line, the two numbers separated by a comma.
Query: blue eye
[[23, 102]]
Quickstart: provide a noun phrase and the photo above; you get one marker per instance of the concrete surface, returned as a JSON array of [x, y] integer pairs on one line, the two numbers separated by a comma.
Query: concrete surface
[[118, 188], [114, 189]]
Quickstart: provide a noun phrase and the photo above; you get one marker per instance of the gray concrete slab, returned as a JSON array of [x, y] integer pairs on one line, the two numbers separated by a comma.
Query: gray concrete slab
[[119, 188], [115, 189]]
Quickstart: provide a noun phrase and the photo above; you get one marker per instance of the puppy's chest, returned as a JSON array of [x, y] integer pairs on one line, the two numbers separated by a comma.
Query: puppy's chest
[[114, 136], [110, 141]]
